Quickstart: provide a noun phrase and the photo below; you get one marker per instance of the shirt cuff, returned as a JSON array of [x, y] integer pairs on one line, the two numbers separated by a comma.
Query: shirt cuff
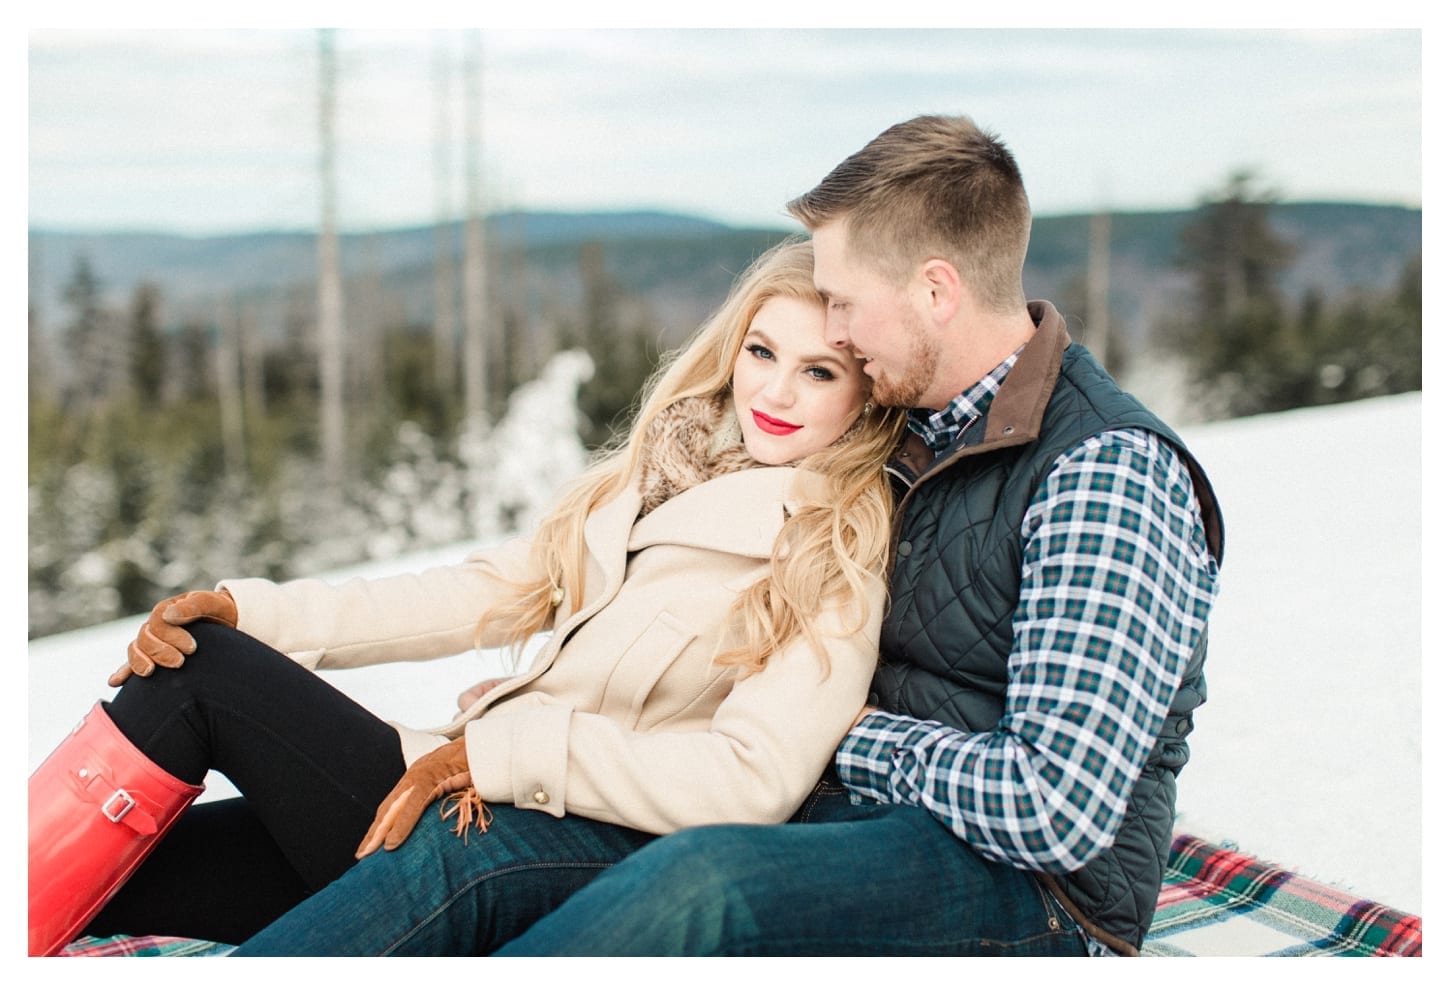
[[878, 758]]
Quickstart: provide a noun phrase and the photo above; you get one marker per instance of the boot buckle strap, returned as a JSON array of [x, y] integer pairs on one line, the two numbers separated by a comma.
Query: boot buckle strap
[[118, 805]]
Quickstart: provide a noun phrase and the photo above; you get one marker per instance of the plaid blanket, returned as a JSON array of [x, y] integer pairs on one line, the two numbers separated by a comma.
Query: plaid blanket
[[142, 947], [1215, 901]]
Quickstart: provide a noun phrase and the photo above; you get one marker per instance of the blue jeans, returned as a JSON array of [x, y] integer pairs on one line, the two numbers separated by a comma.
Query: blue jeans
[[439, 895], [868, 879], [840, 879]]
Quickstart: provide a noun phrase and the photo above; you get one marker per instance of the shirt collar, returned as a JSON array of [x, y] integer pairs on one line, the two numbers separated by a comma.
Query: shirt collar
[[939, 429]]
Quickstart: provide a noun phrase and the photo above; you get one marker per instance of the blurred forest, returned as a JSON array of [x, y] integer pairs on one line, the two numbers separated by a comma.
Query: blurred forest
[[349, 409]]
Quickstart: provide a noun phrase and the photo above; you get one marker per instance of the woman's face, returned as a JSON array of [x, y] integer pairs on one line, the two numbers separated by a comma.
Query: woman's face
[[794, 393]]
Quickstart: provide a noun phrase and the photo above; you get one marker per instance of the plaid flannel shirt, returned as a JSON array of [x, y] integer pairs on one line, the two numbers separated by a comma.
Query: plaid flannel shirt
[[1116, 587]]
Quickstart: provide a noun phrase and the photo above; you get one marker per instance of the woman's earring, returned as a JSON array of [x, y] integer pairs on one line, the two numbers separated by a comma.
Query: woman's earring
[[867, 409]]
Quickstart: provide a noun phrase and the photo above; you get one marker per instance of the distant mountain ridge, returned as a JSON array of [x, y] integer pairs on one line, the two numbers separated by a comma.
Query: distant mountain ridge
[[682, 264], [188, 266]]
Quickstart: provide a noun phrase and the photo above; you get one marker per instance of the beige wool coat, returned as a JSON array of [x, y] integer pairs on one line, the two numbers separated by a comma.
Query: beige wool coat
[[622, 716]]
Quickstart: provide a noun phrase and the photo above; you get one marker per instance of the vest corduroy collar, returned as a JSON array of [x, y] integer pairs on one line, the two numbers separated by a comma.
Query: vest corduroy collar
[[1015, 414]]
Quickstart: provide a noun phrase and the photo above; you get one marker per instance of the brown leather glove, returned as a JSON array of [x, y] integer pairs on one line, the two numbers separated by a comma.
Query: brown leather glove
[[442, 771], [162, 643]]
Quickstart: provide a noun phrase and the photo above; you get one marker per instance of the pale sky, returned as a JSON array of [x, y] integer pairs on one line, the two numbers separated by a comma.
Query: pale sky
[[208, 131]]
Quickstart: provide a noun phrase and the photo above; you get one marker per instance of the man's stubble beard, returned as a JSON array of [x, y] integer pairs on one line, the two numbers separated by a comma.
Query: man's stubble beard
[[923, 355]]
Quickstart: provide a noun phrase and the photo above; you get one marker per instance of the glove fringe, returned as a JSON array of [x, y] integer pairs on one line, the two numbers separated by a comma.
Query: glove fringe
[[471, 811]]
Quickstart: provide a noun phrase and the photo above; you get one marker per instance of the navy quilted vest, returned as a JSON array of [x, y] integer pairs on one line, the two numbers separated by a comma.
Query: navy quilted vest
[[954, 589]]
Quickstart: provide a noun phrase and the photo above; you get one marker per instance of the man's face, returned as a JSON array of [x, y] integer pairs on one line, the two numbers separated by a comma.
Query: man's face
[[875, 319]]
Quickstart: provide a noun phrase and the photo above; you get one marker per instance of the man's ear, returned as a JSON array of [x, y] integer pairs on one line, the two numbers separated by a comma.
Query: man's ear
[[942, 289]]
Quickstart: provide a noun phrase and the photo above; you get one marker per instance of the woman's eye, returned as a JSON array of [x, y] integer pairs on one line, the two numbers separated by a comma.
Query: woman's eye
[[821, 373], [759, 351]]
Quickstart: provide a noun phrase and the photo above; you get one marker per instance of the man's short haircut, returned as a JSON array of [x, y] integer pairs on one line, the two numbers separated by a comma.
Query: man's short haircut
[[934, 186]]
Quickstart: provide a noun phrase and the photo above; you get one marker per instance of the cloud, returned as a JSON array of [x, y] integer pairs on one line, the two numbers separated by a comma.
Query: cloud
[[217, 129]]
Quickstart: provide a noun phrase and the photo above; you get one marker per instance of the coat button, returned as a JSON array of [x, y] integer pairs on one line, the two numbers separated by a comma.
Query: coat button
[[903, 548], [540, 797]]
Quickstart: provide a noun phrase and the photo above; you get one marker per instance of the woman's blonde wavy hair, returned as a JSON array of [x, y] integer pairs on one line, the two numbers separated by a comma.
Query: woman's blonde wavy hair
[[825, 557]]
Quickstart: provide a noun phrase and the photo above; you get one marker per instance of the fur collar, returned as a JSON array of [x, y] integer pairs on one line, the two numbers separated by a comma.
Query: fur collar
[[692, 441]]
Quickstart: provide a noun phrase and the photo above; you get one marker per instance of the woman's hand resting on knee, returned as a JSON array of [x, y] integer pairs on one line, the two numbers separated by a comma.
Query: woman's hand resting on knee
[[162, 642]]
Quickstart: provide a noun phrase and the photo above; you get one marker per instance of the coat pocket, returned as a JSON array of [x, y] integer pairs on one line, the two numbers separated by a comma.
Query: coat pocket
[[656, 669]]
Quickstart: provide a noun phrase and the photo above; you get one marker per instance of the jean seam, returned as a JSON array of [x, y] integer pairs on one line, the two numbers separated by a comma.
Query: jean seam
[[1029, 939], [944, 947], [1051, 910], [468, 887], [823, 789]]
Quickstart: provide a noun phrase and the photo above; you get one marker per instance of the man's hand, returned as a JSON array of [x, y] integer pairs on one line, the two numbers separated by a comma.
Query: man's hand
[[162, 643], [440, 772], [467, 698]]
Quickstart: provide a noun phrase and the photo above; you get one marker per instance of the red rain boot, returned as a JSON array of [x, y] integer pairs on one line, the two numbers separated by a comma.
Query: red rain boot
[[97, 809]]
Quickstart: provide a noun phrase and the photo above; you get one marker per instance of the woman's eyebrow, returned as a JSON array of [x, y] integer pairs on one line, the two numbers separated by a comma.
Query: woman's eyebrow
[[831, 356]]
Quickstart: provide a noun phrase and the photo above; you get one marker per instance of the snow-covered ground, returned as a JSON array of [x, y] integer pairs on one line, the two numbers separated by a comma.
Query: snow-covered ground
[[1308, 752]]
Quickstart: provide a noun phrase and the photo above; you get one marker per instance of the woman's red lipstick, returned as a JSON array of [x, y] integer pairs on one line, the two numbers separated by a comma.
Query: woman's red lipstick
[[770, 425]]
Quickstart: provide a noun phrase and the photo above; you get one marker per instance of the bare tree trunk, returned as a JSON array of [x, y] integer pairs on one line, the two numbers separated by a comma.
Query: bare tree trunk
[[249, 346], [445, 311], [366, 326], [42, 378], [229, 389], [329, 274], [475, 255], [1099, 264]]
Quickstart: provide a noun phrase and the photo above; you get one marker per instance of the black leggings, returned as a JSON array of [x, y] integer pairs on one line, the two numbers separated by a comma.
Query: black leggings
[[311, 764]]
